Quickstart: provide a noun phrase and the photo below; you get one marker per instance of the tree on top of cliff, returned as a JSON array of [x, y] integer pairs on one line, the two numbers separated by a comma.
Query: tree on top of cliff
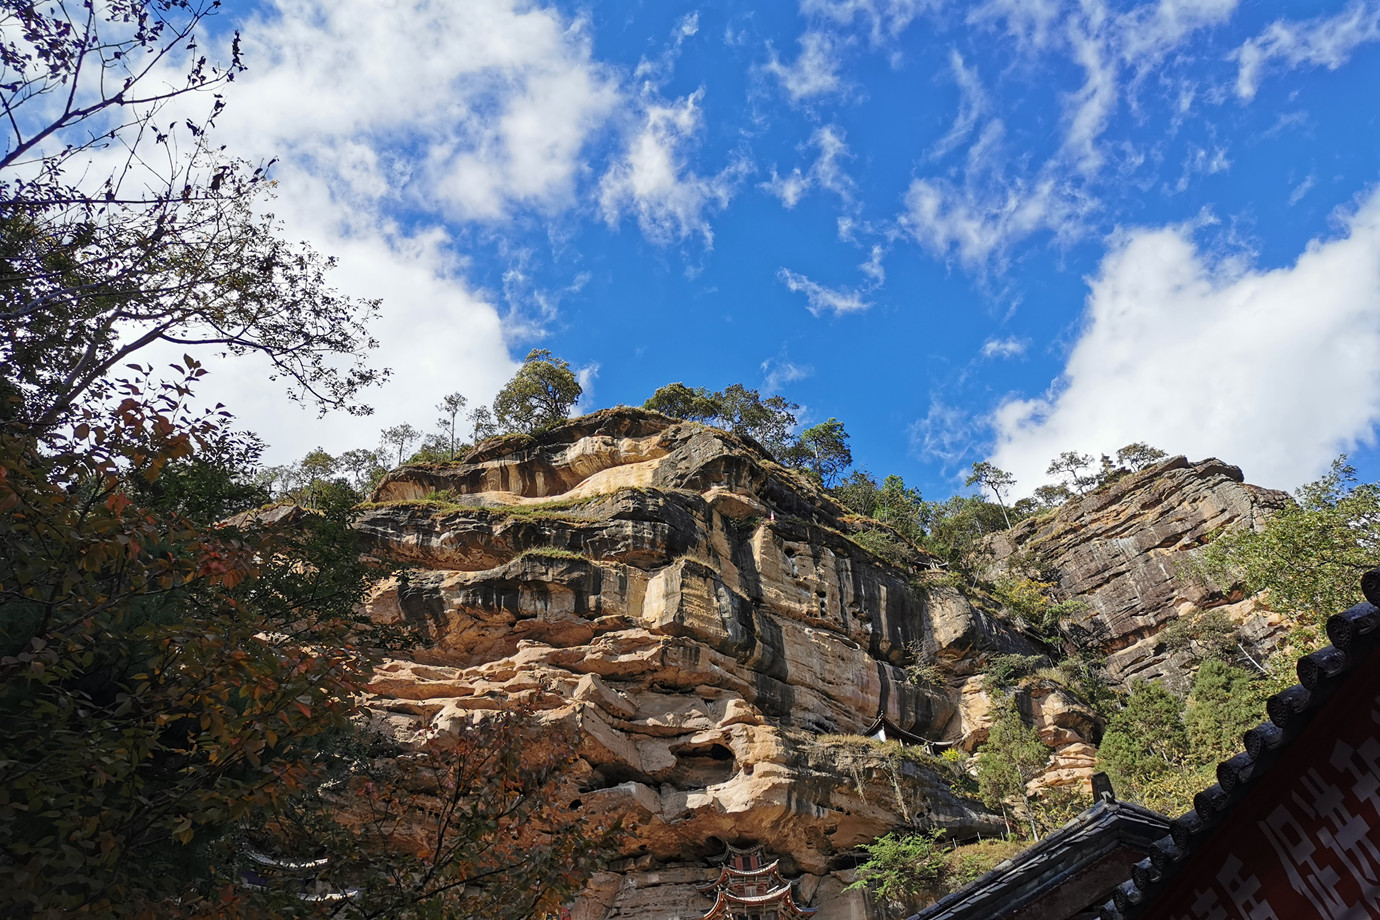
[[822, 450], [997, 480], [677, 400], [540, 394], [735, 408], [120, 228]]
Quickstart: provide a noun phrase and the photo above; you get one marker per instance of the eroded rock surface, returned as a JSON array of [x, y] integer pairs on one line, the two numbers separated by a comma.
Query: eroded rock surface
[[1126, 550], [705, 619]]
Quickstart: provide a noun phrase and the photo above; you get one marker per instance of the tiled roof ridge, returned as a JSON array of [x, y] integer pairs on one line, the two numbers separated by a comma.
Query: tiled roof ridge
[[1090, 820], [1355, 634]]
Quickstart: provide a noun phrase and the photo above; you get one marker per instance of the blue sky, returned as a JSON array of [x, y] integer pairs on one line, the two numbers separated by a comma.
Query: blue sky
[[969, 230]]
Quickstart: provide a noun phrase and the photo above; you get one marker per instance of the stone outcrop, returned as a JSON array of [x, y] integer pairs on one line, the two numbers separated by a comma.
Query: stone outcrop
[[706, 620], [710, 623], [1126, 552]]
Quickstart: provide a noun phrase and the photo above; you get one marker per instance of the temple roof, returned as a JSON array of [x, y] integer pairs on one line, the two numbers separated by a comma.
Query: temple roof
[[781, 897], [727, 874], [1084, 859], [1355, 634], [731, 850], [892, 730]]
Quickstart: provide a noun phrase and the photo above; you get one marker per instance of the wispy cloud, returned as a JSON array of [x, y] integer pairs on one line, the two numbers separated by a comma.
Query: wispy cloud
[[1009, 347], [823, 299], [979, 221], [826, 172], [815, 71], [884, 19], [1327, 41], [653, 180], [780, 371], [1303, 188], [972, 103], [945, 434]]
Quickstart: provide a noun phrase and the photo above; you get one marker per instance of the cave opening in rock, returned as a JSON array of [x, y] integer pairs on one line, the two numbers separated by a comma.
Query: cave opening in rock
[[702, 765]]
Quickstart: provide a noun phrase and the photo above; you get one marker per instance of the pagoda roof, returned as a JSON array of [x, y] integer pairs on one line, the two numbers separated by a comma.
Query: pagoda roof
[[725, 903], [727, 873], [731, 850]]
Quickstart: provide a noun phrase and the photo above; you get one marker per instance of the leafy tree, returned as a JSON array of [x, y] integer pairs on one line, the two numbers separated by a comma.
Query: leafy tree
[[1139, 456], [1012, 756], [1053, 496], [1205, 635], [1310, 555], [540, 394], [1075, 470], [741, 410], [450, 407], [160, 681], [858, 493], [481, 823], [994, 479], [1145, 740], [956, 528], [364, 466], [399, 436], [96, 266], [680, 401], [482, 424], [823, 451], [768, 421], [903, 868], [1224, 703], [893, 503]]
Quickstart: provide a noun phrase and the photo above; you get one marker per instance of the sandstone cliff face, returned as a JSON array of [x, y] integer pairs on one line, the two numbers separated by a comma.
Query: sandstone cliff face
[[702, 615], [1125, 551]]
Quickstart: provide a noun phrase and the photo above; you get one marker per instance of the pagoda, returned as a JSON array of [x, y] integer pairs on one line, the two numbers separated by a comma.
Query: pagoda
[[749, 888]]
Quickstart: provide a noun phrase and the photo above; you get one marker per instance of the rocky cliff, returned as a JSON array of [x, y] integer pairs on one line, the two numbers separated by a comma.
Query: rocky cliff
[[1126, 552], [711, 624]]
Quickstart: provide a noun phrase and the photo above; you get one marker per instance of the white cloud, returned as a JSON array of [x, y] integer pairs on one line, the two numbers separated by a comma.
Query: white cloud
[[777, 372], [1091, 107], [1303, 188], [1270, 369], [820, 298], [825, 172], [1327, 41], [1009, 347], [494, 107], [873, 267], [1030, 22], [653, 181], [815, 71], [1200, 161], [884, 18], [972, 102], [944, 434], [790, 189], [1152, 29], [436, 333], [688, 25], [390, 122], [978, 222]]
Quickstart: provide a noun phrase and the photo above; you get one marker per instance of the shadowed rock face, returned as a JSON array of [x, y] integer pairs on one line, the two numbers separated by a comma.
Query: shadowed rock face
[[1126, 550], [702, 615]]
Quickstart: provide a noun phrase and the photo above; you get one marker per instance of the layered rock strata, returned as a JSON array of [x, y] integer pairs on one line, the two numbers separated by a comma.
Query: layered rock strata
[[1127, 550], [706, 620]]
